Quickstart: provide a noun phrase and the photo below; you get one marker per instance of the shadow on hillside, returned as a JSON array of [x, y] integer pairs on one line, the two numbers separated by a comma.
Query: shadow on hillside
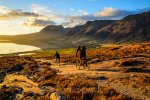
[[137, 70], [109, 70]]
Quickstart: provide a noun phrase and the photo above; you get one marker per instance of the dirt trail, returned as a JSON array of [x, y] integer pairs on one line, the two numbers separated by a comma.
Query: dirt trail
[[95, 69], [106, 69]]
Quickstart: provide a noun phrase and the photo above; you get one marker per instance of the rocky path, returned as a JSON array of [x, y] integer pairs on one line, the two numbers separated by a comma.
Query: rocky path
[[105, 69], [95, 69]]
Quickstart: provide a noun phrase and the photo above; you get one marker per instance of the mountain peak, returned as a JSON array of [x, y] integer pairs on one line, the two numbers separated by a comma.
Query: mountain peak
[[53, 28], [141, 16]]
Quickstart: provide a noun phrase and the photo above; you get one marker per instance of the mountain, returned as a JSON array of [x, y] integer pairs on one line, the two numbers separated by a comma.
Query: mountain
[[51, 29], [49, 37], [86, 32], [132, 28]]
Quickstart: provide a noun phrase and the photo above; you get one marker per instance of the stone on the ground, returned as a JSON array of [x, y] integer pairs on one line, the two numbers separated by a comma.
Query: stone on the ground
[[57, 96]]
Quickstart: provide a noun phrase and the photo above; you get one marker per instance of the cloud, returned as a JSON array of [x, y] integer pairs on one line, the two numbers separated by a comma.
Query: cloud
[[80, 17], [107, 13], [54, 16], [82, 12], [38, 23], [111, 12], [40, 9], [73, 21], [72, 9], [40, 15], [80, 20], [14, 14], [4, 10]]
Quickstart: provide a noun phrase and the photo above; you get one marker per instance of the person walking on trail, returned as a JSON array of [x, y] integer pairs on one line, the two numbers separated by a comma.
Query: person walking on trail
[[57, 56]]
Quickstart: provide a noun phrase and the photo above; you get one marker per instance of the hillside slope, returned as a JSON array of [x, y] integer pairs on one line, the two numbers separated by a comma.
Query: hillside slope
[[133, 28], [49, 37]]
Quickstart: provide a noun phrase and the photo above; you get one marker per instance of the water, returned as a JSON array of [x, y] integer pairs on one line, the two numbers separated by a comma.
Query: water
[[8, 48], [23, 54]]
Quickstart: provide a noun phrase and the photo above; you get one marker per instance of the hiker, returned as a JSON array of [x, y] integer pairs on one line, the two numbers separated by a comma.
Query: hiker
[[78, 51], [57, 56]]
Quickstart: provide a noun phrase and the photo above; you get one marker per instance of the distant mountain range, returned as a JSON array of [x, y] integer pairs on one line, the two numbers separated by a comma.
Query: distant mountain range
[[132, 28]]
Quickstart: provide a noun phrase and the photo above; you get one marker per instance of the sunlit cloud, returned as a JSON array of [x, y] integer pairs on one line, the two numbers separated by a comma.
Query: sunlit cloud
[[53, 16], [38, 23], [13, 27], [4, 10], [7, 14], [73, 21], [109, 12], [58, 18]]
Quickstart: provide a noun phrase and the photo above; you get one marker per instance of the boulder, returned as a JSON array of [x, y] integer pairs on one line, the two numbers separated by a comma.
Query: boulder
[[57, 96]]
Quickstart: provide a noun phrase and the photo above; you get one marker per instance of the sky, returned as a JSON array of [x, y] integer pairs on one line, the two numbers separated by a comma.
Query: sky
[[29, 16]]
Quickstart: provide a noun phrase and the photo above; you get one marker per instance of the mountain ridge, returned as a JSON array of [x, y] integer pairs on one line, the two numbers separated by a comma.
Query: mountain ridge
[[132, 28]]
